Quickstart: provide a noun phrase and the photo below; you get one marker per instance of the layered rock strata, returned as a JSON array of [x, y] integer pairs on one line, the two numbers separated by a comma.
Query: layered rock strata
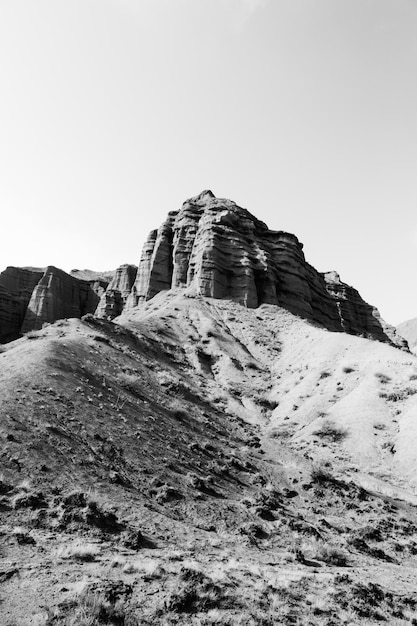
[[220, 250], [30, 297], [113, 299], [58, 295], [16, 287], [99, 281]]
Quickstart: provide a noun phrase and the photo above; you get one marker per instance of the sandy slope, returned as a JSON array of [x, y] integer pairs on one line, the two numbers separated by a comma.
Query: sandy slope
[[365, 388]]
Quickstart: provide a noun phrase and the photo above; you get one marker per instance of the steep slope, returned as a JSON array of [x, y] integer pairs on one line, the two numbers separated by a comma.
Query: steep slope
[[157, 470], [314, 379]]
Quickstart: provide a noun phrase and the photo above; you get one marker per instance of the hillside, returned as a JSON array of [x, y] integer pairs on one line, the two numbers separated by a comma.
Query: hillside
[[199, 462]]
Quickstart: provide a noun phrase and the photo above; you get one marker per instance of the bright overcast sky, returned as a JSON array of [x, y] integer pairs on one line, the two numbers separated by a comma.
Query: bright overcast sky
[[302, 111]]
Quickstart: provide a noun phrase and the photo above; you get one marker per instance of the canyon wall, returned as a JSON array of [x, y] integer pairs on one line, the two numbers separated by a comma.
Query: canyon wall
[[16, 287], [58, 295]]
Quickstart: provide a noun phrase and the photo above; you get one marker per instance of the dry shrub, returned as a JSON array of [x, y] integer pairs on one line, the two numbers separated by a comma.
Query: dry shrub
[[330, 431], [78, 550]]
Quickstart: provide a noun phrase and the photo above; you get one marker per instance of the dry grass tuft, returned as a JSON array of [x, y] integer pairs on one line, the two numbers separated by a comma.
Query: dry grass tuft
[[79, 550]]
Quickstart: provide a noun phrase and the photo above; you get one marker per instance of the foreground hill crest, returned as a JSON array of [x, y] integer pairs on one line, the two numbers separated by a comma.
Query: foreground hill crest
[[211, 247]]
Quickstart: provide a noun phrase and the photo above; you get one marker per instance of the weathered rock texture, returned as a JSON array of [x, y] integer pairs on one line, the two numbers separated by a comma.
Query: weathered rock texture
[[16, 287], [114, 298], [408, 330], [58, 295], [31, 296], [222, 251]]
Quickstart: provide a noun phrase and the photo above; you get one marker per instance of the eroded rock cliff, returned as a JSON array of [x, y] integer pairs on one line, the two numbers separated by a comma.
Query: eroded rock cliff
[[220, 250], [58, 295], [16, 287], [114, 298]]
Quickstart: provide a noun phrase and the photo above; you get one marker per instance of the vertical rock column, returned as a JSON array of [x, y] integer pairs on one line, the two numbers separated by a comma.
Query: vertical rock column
[[113, 300]]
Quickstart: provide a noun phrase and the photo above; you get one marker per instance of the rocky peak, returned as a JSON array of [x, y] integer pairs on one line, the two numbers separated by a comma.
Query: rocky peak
[[218, 249]]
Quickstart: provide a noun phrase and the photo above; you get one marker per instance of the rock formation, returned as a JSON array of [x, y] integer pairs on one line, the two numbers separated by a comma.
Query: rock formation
[[99, 281], [31, 296], [356, 316], [58, 295], [16, 287], [114, 298], [220, 250]]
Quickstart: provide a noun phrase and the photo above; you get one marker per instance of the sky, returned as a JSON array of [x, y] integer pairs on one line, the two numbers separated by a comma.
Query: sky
[[114, 112]]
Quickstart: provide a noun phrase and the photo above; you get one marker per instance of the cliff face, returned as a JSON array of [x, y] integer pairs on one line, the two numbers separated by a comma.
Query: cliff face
[[58, 295], [16, 287], [220, 250], [113, 299], [30, 297]]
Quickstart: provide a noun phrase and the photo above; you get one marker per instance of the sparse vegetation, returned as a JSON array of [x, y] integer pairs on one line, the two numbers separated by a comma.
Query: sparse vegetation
[[383, 378], [195, 591], [152, 500], [331, 432], [398, 395], [318, 550], [324, 374], [78, 550], [33, 334], [93, 608]]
